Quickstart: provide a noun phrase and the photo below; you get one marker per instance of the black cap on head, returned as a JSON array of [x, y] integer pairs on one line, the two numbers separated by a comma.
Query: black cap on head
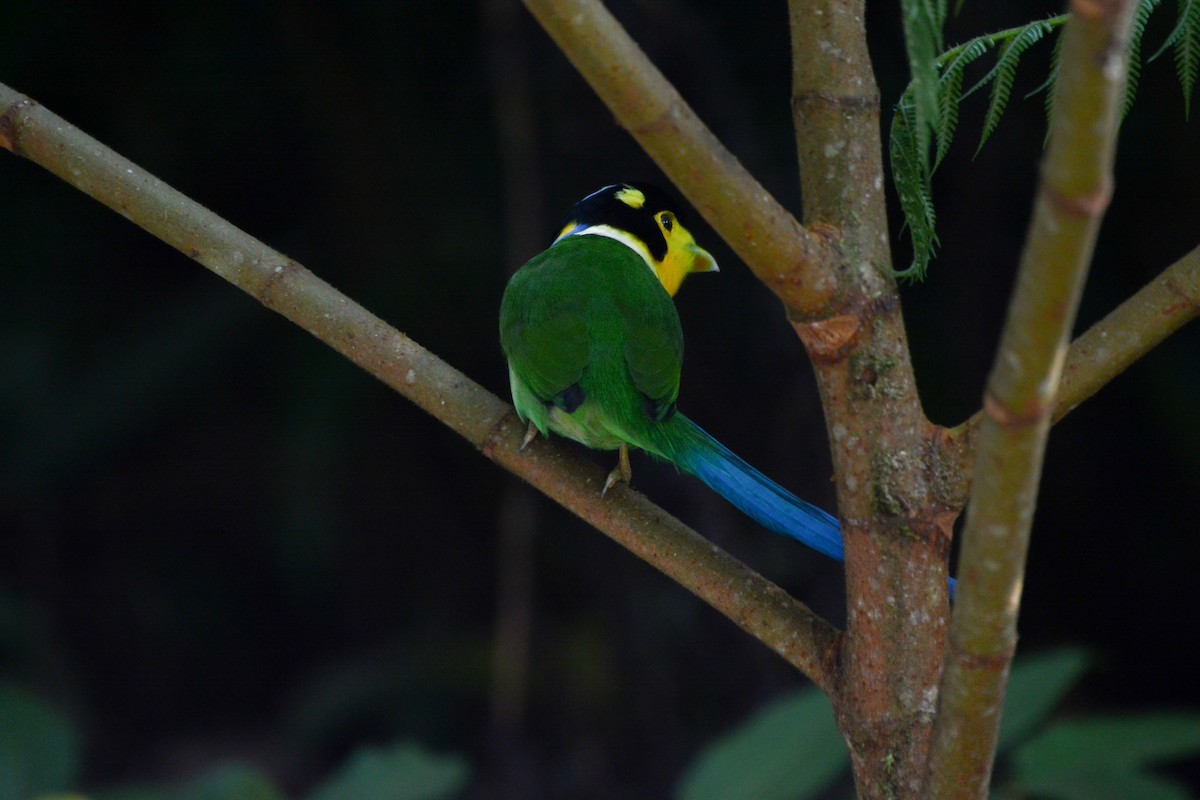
[[628, 207]]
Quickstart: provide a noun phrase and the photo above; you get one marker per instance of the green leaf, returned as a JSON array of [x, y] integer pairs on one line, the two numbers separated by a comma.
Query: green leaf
[[1105, 757], [224, 782], [1101, 785], [789, 750], [233, 782], [39, 748], [1036, 685], [135, 792], [1126, 741], [404, 771]]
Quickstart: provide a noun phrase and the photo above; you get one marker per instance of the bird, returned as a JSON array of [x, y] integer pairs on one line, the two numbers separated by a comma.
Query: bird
[[594, 348]]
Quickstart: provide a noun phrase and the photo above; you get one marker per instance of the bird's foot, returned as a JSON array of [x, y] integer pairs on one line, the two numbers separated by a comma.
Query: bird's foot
[[530, 434], [621, 473]]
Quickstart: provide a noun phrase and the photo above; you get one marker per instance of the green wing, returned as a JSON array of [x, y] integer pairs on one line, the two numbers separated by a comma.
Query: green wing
[[588, 319], [654, 355], [543, 329]]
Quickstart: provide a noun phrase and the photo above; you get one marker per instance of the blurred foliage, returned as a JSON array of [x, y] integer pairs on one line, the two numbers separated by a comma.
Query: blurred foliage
[[39, 747], [791, 749], [1107, 758], [405, 772], [1036, 686], [40, 758], [223, 544], [788, 750], [225, 782]]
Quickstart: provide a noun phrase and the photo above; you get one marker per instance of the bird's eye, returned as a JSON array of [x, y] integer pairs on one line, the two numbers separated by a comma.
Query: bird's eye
[[667, 221]]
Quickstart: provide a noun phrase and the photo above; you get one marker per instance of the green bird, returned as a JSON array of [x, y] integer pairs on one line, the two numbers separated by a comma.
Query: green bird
[[595, 352]]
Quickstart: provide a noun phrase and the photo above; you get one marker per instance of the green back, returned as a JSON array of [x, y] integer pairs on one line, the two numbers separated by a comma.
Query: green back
[[587, 319]]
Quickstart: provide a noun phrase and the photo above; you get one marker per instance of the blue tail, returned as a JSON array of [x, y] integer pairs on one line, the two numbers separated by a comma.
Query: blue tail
[[758, 497]]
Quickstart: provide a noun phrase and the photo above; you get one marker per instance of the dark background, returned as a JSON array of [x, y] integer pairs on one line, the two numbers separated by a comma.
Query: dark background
[[222, 540]]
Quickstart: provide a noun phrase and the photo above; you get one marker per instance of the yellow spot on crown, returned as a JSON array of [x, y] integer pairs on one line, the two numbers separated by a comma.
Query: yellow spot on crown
[[631, 197]]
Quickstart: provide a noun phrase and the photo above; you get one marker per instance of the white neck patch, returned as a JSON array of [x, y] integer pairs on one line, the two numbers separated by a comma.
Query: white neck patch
[[612, 233]]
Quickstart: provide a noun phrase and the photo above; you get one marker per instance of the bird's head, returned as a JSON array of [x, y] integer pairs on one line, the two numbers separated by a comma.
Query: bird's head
[[643, 218]]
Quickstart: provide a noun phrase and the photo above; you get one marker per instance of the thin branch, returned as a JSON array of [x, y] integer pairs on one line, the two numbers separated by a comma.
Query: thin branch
[[1103, 352], [1072, 196], [1135, 327], [755, 604], [1131, 330], [789, 259]]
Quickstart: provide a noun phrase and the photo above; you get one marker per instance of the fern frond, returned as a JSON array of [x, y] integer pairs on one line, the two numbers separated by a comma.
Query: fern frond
[[921, 123], [1004, 73], [949, 89], [1187, 52], [1141, 16], [950, 93], [1176, 32], [910, 174], [910, 140], [1185, 39], [1138, 29], [923, 40], [1047, 85]]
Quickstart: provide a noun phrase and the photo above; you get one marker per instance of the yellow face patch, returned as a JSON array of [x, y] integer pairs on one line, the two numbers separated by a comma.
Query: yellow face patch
[[631, 197], [683, 256]]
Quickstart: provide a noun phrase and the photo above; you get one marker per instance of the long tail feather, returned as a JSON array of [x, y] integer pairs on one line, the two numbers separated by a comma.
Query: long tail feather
[[692, 450], [759, 497]]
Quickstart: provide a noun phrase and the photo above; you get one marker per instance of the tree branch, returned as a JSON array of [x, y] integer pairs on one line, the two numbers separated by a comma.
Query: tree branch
[[1131, 330], [1103, 352], [752, 602], [790, 260], [1134, 328], [1073, 194], [897, 537], [835, 112]]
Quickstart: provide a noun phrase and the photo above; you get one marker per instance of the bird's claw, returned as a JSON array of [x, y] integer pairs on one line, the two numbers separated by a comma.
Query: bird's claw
[[621, 473], [530, 434]]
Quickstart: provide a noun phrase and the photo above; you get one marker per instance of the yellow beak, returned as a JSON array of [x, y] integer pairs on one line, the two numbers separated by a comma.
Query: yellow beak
[[702, 260]]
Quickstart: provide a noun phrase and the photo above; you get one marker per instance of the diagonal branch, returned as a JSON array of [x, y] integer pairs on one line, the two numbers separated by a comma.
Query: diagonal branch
[[1103, 352], [753, 603], [1131, 330], [789, 259], [1073, 194], [1134, 328]]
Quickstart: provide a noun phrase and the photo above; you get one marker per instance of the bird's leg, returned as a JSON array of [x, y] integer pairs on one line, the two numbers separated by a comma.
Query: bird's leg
[[530, 434], [621, 473]]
